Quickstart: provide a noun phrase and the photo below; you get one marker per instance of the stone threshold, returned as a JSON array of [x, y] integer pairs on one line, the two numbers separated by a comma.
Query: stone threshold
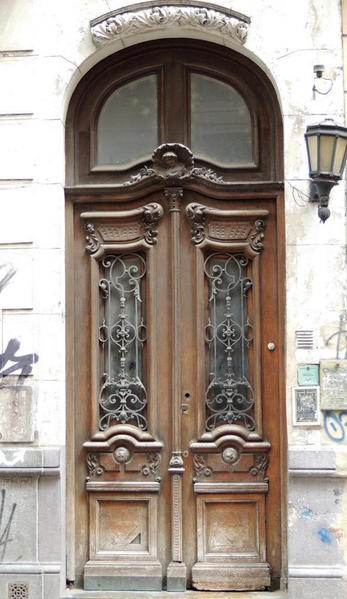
[[78, 594]]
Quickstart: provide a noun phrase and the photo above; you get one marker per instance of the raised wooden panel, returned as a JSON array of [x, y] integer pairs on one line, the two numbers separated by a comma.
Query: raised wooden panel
[[123, 525], [123, 541], [231, 528], [230, 537]]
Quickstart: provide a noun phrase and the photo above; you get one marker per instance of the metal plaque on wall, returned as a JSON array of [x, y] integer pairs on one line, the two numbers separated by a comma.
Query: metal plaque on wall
[[333, 384], [308, 374]]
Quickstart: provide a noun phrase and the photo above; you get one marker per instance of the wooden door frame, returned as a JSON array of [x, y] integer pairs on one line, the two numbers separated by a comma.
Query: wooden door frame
[[77, 193]]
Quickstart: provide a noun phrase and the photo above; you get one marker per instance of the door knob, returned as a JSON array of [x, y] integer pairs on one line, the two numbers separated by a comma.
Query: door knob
[[271, 346]]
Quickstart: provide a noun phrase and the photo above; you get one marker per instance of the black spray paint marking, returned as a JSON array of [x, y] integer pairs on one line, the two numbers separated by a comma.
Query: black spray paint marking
[[5, 532], [341, 336], [9, 273], [23, 363]]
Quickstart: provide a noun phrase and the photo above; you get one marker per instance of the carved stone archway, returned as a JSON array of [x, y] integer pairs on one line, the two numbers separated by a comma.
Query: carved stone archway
[[162, 15]]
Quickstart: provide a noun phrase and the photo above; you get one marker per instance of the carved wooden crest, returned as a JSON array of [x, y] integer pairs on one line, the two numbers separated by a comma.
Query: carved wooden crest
[[173, 163]]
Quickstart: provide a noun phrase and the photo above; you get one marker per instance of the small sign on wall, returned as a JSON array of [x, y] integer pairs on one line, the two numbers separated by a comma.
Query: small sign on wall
[[306, 406], [333, 384], [308, 375]]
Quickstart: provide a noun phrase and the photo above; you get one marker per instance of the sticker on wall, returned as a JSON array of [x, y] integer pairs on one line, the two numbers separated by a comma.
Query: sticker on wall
[[308, 374], [306, 406], [333, 384]]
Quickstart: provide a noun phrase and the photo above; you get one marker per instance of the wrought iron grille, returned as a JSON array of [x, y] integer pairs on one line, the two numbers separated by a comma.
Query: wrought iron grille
[[228, 333], [122, 334]]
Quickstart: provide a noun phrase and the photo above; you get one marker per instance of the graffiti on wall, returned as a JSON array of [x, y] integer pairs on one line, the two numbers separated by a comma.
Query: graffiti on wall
[[23, 363], [10, 361], [335, 426], [335, 422], [5, 525], [8, 271]]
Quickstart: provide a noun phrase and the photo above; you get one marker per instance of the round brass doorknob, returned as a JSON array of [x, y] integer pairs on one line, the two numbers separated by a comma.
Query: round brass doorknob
[[271, 346]]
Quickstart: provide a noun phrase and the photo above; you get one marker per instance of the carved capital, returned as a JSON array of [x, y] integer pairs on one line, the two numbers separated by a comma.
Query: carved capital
[[93, 241], [162, 15], [173, 195], [176, 463], [152, 213]]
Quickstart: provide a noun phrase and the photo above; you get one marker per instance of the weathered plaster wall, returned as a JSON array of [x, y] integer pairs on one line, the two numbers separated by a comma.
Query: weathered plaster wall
[[45, 47]]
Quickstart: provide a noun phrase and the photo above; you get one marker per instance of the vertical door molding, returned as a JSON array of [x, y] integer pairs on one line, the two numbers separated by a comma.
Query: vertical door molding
[[176, 571]]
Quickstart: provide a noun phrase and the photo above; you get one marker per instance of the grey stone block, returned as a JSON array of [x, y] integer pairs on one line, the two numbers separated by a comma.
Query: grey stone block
[[18, 495], [20, 457], [49, 516], [311, 458], [314, 506], [315, 588], [17, 414], [51, 457], [51, 586]]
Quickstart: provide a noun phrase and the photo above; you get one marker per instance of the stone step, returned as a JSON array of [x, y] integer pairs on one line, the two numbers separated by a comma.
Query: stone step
[[78, 594]]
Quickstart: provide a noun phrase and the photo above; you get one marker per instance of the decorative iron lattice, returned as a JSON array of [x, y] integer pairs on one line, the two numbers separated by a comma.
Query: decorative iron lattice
[[18, 590], [122, 334], [228, 333]]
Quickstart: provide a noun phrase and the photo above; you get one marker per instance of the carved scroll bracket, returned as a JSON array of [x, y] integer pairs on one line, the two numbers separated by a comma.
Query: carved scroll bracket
[[161, 15], [119, 227], [245, 227], [173, 164]]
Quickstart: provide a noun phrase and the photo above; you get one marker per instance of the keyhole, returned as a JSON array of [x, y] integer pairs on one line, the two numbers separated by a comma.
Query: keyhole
[[187, 395]]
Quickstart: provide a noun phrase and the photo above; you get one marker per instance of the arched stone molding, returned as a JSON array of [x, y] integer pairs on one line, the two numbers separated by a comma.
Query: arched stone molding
[[161, 14], [136, 35]]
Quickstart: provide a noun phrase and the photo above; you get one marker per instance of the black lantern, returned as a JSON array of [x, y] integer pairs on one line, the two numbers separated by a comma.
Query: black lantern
[[327, 152]]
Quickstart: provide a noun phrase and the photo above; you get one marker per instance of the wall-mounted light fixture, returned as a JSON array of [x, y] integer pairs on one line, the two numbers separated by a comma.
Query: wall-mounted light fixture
[[327, 152], [318, 70]]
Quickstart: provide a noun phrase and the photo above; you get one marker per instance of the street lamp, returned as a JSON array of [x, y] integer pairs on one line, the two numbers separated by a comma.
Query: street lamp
[[327, 152]]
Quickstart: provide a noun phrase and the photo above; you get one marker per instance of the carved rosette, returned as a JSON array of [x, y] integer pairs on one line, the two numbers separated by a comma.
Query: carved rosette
[[209, 18]]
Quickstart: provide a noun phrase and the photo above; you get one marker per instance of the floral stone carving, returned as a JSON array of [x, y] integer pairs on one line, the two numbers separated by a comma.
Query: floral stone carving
[[201, 17]]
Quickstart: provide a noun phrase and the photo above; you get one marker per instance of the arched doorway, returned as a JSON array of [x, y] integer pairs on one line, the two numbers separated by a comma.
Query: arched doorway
[[175, 358]]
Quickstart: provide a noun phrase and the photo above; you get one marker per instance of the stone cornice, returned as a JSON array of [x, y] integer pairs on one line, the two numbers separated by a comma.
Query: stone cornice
[[141, 18]]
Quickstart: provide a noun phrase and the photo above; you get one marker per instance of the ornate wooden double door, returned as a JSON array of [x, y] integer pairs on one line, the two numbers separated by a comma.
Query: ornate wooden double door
[[175, 346], [183, 485]]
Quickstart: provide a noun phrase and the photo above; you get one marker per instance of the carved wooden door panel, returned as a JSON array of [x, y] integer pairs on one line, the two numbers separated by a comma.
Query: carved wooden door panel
[[181, 432]]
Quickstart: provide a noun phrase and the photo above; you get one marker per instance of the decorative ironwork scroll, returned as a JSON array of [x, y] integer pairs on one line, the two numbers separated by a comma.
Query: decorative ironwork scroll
[[229, 333], [122, 334]]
